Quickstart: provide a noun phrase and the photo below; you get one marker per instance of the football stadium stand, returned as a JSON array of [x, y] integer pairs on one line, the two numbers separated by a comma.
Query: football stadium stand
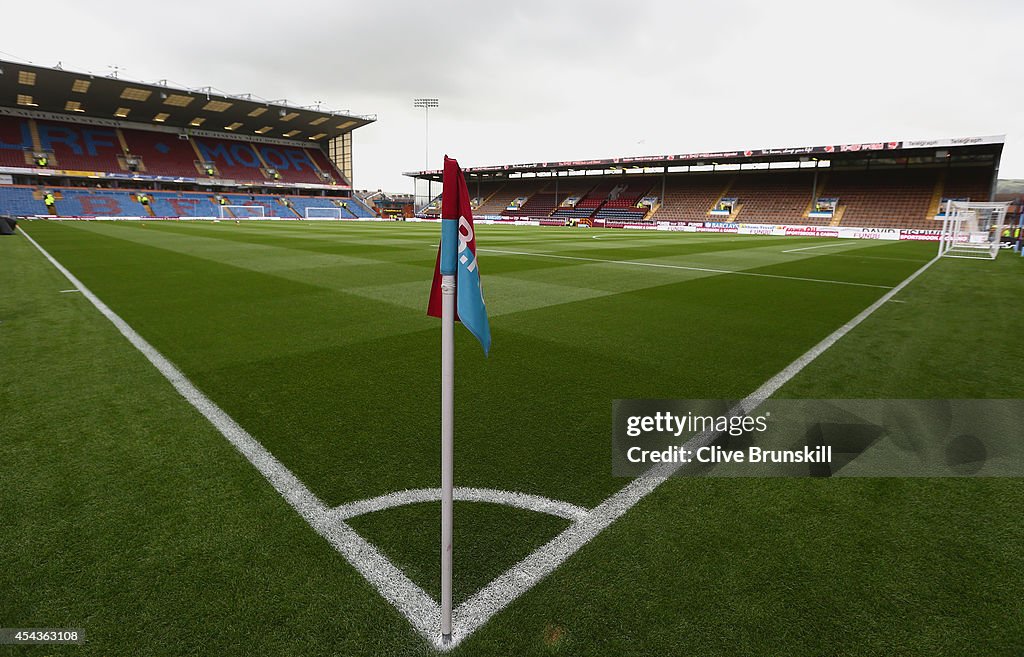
[[70, 138], [67, 146], [885, 185]]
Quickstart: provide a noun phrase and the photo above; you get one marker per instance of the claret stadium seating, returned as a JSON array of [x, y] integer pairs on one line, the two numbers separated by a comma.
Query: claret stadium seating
[[80, 147], [895, 197]]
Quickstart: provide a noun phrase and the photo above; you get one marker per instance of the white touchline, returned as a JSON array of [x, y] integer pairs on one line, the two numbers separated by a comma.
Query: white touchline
[[820, 246], [409, 599], [634, 263]]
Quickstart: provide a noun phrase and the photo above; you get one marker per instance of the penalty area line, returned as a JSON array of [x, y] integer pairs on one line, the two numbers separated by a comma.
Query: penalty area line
[[659, 265], [820, 246]]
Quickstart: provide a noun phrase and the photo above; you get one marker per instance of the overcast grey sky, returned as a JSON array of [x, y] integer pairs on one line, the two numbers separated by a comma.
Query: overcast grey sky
[[530, 81]]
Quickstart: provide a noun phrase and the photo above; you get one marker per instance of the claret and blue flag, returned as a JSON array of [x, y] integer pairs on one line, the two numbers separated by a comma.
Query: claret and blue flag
[[457, 255]]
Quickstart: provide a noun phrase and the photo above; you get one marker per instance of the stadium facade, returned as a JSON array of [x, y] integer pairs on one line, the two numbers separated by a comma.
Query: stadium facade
[[78, 144]]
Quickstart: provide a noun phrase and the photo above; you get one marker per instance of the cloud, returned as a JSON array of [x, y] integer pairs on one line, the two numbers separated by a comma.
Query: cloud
[[534, 81]]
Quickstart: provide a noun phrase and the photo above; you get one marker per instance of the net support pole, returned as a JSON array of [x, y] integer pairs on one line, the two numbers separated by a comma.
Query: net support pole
[[448, 265]]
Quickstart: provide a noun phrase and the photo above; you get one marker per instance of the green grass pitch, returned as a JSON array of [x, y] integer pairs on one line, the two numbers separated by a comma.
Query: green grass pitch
[[125, 513]]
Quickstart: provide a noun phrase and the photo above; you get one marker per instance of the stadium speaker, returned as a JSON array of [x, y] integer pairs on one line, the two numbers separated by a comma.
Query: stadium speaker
[[7, 225]]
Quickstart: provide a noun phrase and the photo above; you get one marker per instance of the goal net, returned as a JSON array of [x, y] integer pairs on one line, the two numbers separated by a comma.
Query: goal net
[[243, 212], [971, 230], [330, 212]]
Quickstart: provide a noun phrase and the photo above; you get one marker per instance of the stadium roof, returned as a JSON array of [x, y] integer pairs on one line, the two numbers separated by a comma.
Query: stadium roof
[[29, 87], [935, 148]]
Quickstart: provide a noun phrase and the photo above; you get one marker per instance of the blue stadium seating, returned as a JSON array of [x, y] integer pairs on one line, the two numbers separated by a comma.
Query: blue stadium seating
[[19, 201], [575, 213], [89, 202], [624, 214]]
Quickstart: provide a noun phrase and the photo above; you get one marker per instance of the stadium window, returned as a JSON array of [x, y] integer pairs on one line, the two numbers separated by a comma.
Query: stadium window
[[131, 93], [27, 78], [264, 129], [26, 101], [178, 100], [217, 106], [122, 112], [289, 116], [80, 86], [291, 133], [318, 121], [73, 106], [196, 122], [161, 117], [256, 112], [234, 126]]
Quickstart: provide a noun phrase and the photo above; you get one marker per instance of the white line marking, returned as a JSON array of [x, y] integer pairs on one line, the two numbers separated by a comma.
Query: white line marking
[[66, 291], [820, 246], [507, 498], [393, 585], [683, 267], [479, 608], [421, 610]]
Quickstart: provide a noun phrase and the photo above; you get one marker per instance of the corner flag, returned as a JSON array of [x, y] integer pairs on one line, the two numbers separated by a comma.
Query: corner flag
[[457, 223], [454, 295]]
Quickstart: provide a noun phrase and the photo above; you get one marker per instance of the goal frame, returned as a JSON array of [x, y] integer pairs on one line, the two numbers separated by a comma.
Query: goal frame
[[972, 230], [335, 209], [247, 208]]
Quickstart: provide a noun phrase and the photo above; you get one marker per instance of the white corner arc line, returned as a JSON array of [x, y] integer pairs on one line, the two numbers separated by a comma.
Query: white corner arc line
[[393, 585], [508, 586], [524, 501], [660, 265]]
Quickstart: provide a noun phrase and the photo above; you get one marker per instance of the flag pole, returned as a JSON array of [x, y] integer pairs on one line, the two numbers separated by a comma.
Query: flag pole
[[448, 251]]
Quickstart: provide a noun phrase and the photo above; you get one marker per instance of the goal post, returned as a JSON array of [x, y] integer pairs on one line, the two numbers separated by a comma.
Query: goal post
[[243, 212], [327, 212], [972, 230]]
